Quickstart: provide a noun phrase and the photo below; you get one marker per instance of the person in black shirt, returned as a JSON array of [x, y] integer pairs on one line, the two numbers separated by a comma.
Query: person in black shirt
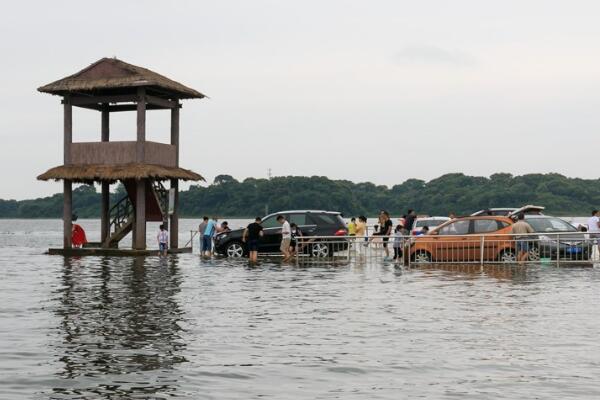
[[410, 220], [386, 230], [252, 234]]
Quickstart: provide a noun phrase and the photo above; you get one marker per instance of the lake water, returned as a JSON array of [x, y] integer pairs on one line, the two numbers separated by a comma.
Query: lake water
[[182, 327]]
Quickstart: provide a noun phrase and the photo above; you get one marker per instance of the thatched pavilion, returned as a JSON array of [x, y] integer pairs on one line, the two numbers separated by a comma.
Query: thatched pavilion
[[111, 85]]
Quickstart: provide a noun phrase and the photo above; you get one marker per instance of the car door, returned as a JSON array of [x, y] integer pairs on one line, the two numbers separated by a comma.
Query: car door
[[485, 228], [271, 239], [450, 241]]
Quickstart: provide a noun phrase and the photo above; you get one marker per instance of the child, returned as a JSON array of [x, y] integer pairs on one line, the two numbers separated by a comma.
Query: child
[[296, 232], [398, 233], [163, 240]]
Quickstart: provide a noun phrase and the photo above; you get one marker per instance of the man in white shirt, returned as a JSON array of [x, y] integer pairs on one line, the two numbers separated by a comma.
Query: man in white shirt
[[286, 237], [594, 223]]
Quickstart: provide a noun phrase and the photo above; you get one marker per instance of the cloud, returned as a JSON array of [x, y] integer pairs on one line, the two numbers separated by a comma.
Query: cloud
[[434, 56]]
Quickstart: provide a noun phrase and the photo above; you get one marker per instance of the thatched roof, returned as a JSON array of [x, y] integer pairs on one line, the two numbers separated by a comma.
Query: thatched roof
[[86, 173], [111, 74]]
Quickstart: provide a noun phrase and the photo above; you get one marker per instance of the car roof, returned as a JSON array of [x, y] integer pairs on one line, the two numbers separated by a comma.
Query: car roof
[[422, 218], [474, 218], [303, 211]]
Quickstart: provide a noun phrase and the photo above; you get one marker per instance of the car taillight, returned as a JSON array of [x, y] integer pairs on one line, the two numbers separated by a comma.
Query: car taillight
[[341, 232]]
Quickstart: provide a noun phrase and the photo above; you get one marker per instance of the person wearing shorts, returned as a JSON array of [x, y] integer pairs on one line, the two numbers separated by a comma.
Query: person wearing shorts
[[520, 229], [286, 237], [251, 237]]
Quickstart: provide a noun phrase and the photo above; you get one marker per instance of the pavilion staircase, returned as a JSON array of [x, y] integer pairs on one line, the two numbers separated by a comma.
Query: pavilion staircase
[[122, 214], [121, 219]]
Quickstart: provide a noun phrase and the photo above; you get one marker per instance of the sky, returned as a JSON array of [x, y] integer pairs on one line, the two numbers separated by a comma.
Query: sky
[[378, 91]]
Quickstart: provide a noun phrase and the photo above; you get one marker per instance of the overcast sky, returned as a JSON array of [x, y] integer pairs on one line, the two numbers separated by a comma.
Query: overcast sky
[[378, 91]]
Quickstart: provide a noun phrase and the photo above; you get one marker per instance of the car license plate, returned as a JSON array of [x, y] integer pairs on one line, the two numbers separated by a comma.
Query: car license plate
[[572, 250]]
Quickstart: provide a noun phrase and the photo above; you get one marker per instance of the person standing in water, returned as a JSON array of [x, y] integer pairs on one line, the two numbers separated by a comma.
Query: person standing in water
[[251, 236], [163, 241], [385, 231], [207, 237], [352, 227]]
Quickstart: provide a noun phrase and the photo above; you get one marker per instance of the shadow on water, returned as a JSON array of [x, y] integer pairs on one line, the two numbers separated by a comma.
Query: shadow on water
[[119, 333]]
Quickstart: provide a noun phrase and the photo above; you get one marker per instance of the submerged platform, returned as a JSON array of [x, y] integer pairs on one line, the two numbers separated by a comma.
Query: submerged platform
[[95, 251]]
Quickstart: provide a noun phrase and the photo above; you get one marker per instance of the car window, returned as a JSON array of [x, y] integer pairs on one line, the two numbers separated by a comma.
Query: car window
[[271, 222], [502, 224], [325, 219], [550, 225], [456, 228], [485, 225], [429, 222], [298, 219]]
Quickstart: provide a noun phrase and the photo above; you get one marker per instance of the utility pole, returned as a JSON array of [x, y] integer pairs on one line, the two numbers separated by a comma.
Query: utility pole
[[269, 174]]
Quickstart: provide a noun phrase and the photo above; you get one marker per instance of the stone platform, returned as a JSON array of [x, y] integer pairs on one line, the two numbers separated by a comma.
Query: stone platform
[[93, 251]]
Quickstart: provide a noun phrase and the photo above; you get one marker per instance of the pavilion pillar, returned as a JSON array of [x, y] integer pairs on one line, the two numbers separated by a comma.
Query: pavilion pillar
[[67, 184], [174, 234], [105, 200], [140, 203]]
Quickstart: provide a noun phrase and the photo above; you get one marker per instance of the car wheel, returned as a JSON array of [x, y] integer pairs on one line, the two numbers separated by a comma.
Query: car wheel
[[507, 256], [234, 250], [421, 256], [319, 250], [533, 254]]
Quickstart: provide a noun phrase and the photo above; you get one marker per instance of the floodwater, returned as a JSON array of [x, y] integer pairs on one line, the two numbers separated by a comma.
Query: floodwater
[[182, 327]]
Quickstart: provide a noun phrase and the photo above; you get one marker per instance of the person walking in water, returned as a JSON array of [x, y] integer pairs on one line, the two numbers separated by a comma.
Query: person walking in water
[[520, 229], [163, 239], [286, 237], [251, 236]]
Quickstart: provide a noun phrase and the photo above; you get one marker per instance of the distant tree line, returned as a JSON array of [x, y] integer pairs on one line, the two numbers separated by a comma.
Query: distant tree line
[[456, 192]]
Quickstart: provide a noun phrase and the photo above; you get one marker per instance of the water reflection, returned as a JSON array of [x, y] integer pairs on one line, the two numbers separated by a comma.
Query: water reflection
[[119, 327]]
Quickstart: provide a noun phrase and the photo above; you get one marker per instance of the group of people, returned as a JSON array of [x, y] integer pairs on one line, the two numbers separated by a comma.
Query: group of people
[[208, 229], [386, 230], [289, 238]]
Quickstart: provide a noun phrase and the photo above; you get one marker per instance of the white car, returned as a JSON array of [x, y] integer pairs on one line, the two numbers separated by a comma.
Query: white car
[[430, 222], [510, 211]]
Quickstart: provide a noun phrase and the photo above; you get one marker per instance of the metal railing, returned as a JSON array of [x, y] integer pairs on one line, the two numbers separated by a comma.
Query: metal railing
[[476, 249], [557, 248]]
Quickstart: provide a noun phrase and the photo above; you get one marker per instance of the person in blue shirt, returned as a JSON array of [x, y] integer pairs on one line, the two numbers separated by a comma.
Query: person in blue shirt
[[209, 232]]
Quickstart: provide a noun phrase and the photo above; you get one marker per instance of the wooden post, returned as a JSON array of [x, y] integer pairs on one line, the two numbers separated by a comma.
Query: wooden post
[[174, 234], [141, 124], [140, 215], [67, 213], [140, 203], [67, 185], [68, 130], [105, 201]]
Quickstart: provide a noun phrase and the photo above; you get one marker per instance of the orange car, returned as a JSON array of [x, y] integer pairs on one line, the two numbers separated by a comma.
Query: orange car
[[461, 239]]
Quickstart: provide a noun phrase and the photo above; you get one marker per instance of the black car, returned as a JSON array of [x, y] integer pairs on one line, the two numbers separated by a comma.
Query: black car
[[310, 223], [563, 241]]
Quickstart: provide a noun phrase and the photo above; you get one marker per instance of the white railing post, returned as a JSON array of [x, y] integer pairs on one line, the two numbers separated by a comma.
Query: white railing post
[[557, 250], [481, 251]]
